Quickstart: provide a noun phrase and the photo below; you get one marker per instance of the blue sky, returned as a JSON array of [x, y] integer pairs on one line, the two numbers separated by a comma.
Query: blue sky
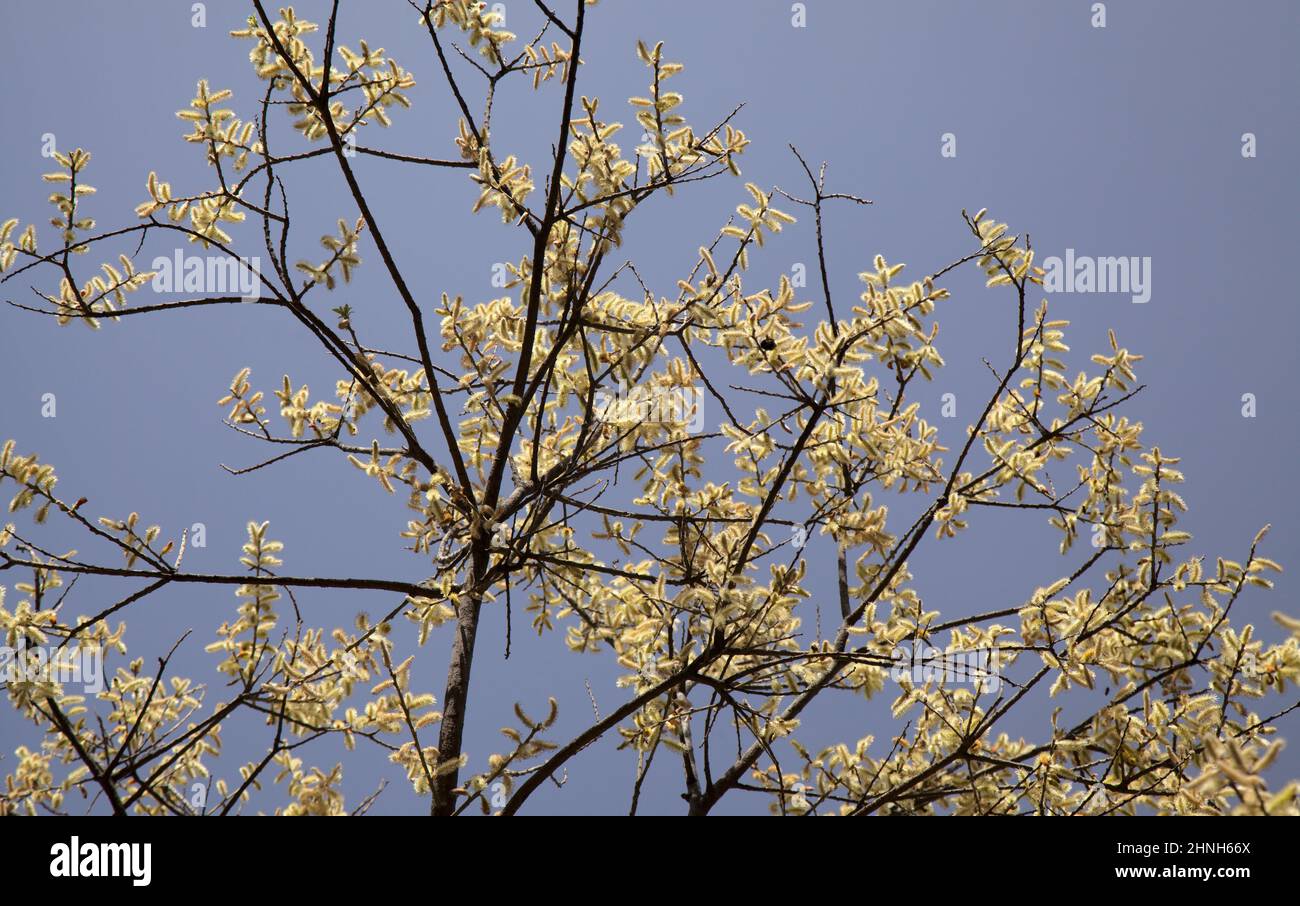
[[1116, 141]]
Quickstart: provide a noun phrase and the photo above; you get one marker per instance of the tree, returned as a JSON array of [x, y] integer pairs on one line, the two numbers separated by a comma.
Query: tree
[[573, 478]]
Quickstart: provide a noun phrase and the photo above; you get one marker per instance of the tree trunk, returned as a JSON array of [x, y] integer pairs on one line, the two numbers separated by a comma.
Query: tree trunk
[[453, 713]]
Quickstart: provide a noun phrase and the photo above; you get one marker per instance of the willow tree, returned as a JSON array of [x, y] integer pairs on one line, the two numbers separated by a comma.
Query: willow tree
[[552, 444]]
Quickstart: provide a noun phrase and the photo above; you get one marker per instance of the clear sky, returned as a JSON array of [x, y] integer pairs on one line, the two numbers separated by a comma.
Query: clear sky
[[1117, 141]]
